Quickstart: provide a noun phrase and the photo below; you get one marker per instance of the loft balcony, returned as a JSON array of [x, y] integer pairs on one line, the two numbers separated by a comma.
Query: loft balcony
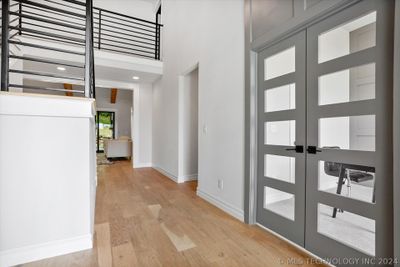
[[64, 22], [46, 35]]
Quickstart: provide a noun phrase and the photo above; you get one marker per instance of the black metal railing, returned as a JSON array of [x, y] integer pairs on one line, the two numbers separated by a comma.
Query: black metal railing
[[81, 27], [112, 31], [47, 20], [125, 34]]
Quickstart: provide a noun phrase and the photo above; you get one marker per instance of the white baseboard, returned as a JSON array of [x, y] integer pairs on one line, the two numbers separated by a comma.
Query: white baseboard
[[32, 253], [187, 178], [142, 165], [180, 179], [166, 173], [228, 208]]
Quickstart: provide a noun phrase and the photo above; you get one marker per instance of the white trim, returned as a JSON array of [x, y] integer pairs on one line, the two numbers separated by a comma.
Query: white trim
[[252, 205], [177, 179], [23, 104], [396, 131], [135, 131], [319, 259], [166, 173], [142, 165], [228, 208], [187, 177], [180, 123], [32, 253], [181, 87]]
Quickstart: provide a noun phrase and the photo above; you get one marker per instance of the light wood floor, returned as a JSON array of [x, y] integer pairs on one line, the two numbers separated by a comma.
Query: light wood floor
[[145, 219]]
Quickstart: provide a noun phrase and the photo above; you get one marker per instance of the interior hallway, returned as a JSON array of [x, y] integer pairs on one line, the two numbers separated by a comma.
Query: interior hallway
[[145, 219]]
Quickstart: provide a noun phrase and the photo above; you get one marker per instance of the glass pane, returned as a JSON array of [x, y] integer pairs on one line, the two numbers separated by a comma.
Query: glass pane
[[352, 133], [280, 133], [280, 167], [280, 98], [348, 38], [106, 127], [348, 85], [279, 202], [348, 180], [280, 64], [348, 228]]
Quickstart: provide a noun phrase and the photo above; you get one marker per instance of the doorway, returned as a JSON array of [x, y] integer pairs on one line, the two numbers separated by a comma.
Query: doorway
[[324, 177], [105, 128], [188, 129]]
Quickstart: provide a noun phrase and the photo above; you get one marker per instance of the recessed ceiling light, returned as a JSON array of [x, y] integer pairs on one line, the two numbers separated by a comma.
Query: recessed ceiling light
[[135, 78], [61, 68]]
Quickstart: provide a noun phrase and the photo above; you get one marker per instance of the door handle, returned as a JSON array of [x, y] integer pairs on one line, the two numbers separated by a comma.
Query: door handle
[[313, 150], [298, 149]]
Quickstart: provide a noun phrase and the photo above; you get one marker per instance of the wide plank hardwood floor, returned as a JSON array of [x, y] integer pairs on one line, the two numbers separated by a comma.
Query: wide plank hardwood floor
[[145, 219]]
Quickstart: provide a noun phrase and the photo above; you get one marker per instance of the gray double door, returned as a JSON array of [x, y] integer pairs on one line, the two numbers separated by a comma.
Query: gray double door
[[324, 175]]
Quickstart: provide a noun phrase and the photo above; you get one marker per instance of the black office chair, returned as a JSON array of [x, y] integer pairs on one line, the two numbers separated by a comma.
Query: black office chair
[[348, 173]]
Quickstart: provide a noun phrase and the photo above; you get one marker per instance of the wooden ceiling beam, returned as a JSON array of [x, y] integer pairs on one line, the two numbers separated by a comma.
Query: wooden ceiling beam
[[114, 92], [68, 86]]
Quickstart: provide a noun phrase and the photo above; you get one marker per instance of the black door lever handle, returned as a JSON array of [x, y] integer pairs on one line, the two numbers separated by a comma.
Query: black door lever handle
[[298, 149], [313, 150]]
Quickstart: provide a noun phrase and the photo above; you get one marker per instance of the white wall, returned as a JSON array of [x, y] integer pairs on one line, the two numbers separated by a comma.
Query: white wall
[[188, 120], [142, 126], [135, 8], [14, 77], [214, 38], [122, 108], [47, 176]]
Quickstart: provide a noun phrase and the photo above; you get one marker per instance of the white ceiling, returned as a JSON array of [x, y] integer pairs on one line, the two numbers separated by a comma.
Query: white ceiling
[[105, 76]]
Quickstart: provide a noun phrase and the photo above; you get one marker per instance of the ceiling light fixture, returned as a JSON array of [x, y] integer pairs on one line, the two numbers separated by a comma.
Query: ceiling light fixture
[[135, 78], [61, 68]]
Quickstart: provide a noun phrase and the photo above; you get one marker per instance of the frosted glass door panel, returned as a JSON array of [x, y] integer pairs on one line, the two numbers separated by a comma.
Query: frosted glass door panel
[[280, 98], [279, 202], [280, 168], [347, 85], [336, 42], [348, 228], [280, 64], [351, 133], [280, 133]]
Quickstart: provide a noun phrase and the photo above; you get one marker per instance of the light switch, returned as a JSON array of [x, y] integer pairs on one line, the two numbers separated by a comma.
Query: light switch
[[205, 129]]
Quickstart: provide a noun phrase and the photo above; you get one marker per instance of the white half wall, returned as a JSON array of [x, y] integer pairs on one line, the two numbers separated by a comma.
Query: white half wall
[[47, 176], [214, 39]]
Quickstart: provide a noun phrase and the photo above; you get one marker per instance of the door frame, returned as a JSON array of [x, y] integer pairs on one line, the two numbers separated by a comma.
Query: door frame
[[181, 87], [253, 46], [97, 129], [396, 132]]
